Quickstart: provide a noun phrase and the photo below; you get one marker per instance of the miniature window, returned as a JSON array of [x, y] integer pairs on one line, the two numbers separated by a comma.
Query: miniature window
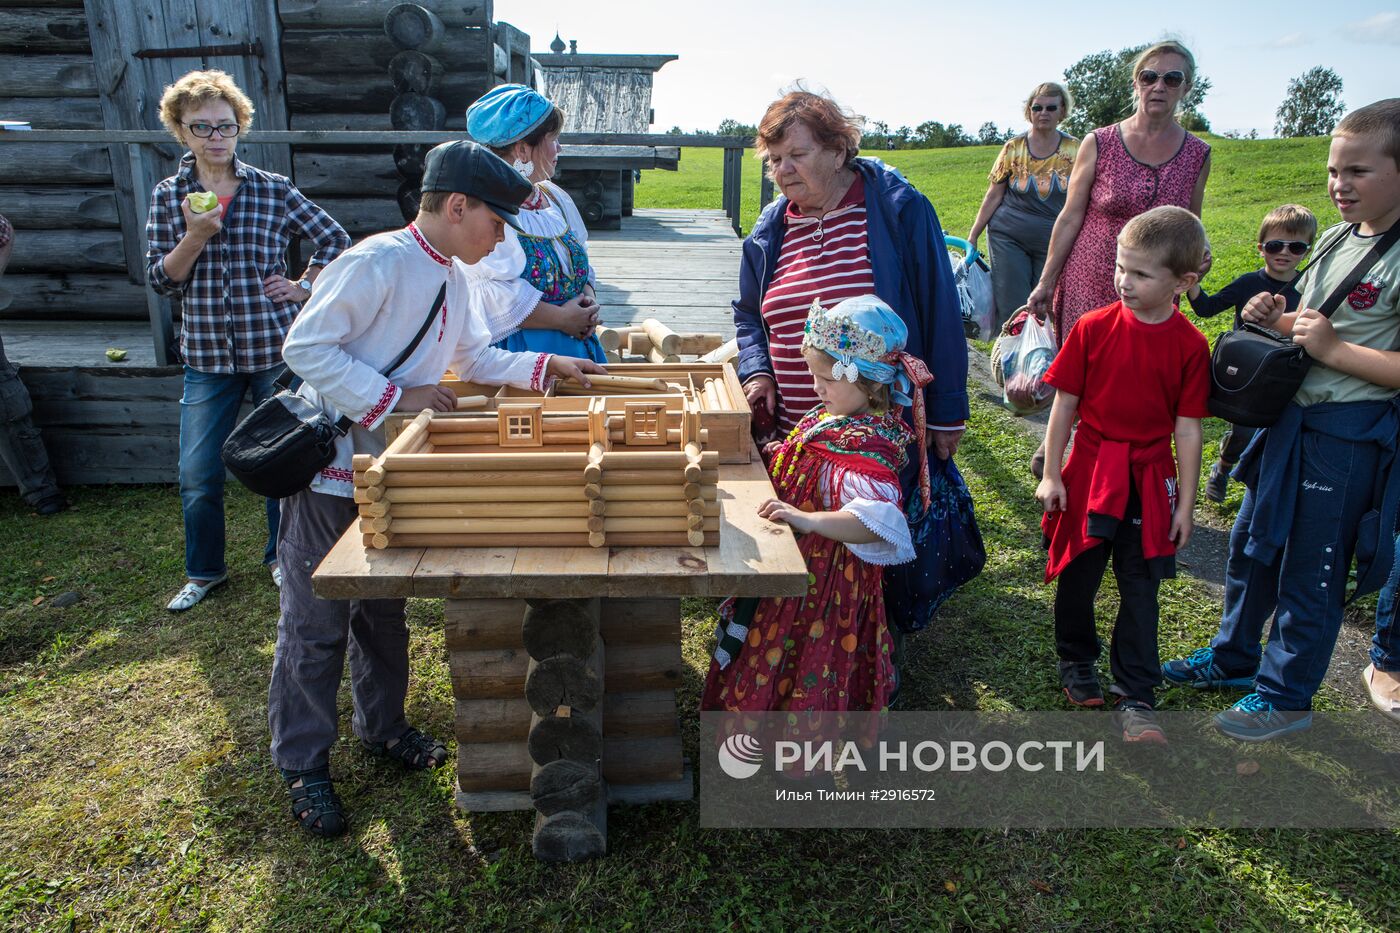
[[520, 426], [646, 423]]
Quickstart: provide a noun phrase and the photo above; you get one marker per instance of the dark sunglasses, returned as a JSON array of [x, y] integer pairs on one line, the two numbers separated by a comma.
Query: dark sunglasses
[[205, 130], [1296, 247], [1147, 77], [1048, 108]]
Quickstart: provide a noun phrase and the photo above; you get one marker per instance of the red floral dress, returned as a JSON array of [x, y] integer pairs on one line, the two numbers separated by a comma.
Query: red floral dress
[[829, 650]]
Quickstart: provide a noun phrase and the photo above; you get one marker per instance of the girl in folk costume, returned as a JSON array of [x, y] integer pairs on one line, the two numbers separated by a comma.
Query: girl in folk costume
[[837, 476]]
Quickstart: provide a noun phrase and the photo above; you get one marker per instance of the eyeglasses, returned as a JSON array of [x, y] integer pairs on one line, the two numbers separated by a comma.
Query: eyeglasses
[[1296, 247], [1147, 77], [1048, 108], [205, 130]]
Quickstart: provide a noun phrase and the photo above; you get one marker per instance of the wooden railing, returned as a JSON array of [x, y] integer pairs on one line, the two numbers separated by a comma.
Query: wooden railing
[[162, 323]]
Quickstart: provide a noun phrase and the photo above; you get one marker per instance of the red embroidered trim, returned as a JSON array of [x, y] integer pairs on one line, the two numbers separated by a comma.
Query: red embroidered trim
[[535, 201], [385, 400], [437, 257], [336, 473], [442, 328], [536, 381]]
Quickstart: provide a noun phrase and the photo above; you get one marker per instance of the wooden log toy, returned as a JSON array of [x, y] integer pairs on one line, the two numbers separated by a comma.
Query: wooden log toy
[[465, 402], [662, 337]]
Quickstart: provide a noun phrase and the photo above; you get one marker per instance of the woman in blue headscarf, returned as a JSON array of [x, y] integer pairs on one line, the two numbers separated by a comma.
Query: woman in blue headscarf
[[549, 304]]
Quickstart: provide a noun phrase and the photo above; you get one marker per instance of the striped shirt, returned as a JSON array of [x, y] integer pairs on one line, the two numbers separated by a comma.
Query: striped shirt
[[825, 258], [227, 322]]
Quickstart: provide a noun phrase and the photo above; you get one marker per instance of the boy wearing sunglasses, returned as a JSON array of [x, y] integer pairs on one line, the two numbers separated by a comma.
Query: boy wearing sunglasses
[[1285, 237]]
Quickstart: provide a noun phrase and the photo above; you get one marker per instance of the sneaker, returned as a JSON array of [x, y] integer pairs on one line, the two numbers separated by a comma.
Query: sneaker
[[51, 505], [1139, 722], [1218, 483], [192, 593], [1199, 670], [1255, 719], [1080, 683]]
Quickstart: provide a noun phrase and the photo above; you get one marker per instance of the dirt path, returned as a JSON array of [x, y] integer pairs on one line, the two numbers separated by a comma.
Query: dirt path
[[1204, 557]]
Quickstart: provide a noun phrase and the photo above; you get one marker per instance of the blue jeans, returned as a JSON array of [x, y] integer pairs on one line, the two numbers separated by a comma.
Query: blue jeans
[[208, 414], [1385, 644], [1305, 586]]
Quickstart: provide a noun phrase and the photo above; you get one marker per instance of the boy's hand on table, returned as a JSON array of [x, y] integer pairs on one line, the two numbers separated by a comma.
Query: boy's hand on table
[[436, 397], [1264, 309], [775, 510], [1182, 525], [1314, 332], [568, 367], [1051, 494]]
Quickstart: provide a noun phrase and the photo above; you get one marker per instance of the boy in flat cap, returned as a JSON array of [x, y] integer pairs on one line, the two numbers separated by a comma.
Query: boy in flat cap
[[403, 289]]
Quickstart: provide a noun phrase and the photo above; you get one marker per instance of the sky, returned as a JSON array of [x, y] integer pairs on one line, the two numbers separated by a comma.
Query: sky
[[906, 62]]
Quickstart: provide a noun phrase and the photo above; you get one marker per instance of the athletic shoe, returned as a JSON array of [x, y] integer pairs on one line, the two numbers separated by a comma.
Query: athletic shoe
[[1139, 722], [1218, 483], [1255, 719], [1080, 683], [1199, 670]]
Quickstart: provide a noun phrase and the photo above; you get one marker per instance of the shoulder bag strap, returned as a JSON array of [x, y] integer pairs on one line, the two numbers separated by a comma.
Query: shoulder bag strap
[[344, 424], [1384, 243]]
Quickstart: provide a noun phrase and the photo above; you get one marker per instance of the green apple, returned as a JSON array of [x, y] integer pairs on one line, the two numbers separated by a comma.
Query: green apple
[[203, 201], [115, 355]]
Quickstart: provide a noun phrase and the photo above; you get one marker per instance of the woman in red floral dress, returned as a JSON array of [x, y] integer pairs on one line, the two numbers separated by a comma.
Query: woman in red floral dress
[[837, 477]]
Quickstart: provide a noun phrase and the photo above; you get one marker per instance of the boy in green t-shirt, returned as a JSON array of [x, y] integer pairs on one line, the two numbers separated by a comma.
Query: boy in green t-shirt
[[1326, 467]]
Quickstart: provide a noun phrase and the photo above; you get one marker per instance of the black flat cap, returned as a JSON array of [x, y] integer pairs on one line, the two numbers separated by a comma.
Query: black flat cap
[[473, 170]]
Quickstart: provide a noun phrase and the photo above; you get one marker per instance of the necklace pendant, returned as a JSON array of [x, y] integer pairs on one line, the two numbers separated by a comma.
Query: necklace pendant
[[817, 234]]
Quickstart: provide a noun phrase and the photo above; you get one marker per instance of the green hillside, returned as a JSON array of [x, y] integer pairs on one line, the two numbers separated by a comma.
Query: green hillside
[[1248, 178]]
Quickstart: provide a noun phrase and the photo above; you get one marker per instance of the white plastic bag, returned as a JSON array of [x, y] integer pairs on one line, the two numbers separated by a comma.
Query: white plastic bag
[[974, 283], [1024, 361]]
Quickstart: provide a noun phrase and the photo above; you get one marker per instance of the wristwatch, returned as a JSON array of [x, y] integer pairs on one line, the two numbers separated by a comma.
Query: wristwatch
[[305, 283]]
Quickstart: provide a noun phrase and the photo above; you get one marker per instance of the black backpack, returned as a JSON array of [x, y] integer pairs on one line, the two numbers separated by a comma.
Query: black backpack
[[1255, 371]]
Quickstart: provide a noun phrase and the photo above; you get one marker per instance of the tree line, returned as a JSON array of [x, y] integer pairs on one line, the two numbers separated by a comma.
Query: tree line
[[1101, 84]]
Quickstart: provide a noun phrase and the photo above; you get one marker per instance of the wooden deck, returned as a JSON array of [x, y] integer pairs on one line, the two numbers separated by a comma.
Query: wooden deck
[[110, 422]]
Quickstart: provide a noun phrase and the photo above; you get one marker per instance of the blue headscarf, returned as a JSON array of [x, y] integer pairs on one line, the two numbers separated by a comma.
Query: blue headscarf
[[867, 334], [506, 114]]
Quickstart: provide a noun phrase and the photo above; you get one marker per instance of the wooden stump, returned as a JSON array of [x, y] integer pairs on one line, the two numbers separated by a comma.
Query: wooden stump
[[560, 626], [565, 785], [413, 72], [410, 26], [572, 728]]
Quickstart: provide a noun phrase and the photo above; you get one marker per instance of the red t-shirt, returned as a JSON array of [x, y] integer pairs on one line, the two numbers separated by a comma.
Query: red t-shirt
[[1134, 379], [224, 202]]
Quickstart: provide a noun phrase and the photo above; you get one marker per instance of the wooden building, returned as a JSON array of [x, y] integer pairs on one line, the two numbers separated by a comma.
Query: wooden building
[[75, 284]]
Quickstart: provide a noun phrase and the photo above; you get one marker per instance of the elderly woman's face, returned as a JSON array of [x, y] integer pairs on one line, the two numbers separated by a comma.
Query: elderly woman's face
[[803, 170], [216, 148], [1157, 99], [1047, 118]]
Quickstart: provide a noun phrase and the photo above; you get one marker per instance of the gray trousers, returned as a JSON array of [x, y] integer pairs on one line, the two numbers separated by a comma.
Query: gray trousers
[[1015, 270], [313, 637], [21, 447]]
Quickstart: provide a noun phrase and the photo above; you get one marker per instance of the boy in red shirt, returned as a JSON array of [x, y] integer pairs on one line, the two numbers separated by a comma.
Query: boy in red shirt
[[1136, 375]]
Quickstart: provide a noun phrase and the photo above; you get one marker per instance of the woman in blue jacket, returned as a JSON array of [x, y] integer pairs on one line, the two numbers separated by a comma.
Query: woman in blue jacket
[[847, 226]]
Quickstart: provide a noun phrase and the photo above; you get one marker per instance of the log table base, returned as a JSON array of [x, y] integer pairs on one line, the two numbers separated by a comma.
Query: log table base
[[565, 706]]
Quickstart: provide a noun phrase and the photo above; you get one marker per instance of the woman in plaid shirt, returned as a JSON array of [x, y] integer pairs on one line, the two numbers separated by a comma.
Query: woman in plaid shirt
[[228, 266]]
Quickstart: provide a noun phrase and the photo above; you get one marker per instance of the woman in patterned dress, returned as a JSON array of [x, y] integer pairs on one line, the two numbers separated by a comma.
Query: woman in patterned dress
[[543, 297], [1146, 161], [1028, 183]]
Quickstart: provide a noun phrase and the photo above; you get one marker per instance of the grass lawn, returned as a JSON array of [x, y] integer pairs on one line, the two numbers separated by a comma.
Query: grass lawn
[[138, 791]]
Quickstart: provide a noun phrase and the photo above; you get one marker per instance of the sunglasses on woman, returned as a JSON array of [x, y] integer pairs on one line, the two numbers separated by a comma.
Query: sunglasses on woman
[[1147, 77], [1296, 247], [1048, 108], [205, 130]]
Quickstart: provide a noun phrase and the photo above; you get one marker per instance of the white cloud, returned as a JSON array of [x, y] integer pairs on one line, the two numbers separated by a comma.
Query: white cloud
[[1381, 29], [1290, 41]]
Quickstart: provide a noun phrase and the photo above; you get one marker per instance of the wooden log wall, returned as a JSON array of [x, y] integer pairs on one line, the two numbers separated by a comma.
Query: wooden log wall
[[339, 57], [626, 746], [68, 262]]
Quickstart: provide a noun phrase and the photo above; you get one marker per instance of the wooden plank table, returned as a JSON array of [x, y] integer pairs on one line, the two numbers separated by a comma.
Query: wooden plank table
[[627, 601]]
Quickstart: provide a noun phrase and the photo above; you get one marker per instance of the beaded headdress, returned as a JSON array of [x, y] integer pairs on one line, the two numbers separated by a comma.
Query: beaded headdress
[[836, 332]]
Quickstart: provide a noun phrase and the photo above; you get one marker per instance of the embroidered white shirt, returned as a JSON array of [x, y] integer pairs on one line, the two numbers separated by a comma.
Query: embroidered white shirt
[[367, 306]]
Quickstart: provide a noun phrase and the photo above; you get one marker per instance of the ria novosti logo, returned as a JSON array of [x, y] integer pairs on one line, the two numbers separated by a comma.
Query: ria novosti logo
[[740, 756]]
